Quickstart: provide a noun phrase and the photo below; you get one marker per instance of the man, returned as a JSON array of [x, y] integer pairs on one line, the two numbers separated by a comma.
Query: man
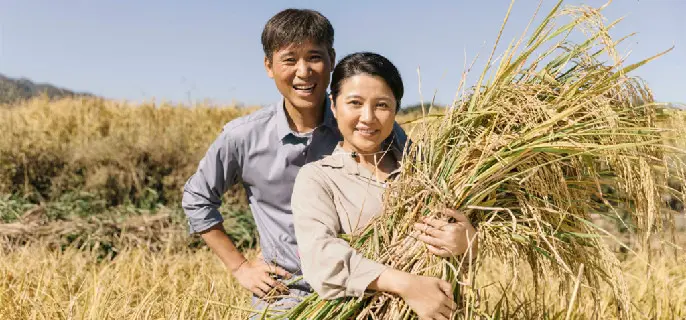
[[267, 148]]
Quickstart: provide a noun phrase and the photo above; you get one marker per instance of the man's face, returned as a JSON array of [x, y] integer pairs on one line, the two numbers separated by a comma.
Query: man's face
[[301, 73]]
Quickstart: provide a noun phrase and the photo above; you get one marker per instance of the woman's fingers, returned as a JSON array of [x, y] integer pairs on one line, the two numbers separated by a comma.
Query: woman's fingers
[[438, 251], [449, 305], [436, 242], [436, 223], [459, 217], [448, 310], [441, 316], [428, 229]]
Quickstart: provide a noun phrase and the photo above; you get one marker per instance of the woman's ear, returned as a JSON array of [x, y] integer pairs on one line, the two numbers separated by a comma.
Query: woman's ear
[[333, 107]]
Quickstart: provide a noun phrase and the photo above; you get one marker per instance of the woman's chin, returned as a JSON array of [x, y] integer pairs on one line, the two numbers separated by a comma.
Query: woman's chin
[[367, 147]]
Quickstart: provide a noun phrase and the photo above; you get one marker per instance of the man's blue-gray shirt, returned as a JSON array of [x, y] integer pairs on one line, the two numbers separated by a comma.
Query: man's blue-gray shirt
[[266, 155]]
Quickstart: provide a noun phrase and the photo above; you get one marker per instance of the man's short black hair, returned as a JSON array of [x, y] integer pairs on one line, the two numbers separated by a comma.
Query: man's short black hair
[[293, 26]]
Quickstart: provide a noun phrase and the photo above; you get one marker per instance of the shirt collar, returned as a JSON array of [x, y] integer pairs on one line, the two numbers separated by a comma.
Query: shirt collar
[[284, 130]]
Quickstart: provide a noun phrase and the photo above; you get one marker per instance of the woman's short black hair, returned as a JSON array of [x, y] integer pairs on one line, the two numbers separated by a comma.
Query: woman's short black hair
[[369, 63]]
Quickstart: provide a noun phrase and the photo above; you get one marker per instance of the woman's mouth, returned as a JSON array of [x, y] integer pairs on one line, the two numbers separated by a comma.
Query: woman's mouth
[[367, 132]]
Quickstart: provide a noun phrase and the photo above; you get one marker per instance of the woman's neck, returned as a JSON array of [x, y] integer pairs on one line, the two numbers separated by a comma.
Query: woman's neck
[[380, 162]]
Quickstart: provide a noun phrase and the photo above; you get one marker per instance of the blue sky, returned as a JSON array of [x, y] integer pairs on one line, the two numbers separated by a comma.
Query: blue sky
[[194, 50]]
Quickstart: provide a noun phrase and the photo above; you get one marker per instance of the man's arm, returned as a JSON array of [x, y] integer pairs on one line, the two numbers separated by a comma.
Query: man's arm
[[215, 237], [217, 172]]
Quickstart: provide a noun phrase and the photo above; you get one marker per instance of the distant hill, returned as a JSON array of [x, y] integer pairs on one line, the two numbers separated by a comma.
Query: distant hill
[[12, 90]]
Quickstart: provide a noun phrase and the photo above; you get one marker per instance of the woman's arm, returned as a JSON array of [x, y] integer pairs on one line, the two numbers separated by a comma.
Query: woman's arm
[[329, 264], [335, 270]]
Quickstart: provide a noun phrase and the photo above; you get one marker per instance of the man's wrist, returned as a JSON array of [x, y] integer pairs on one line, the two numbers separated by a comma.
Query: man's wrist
[[238, 267]]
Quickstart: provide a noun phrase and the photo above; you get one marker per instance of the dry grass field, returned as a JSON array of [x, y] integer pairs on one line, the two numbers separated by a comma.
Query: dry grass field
[[68, 253], [571, 170]]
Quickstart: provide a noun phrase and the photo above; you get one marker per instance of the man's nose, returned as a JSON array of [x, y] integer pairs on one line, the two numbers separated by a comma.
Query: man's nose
[[303, 69]]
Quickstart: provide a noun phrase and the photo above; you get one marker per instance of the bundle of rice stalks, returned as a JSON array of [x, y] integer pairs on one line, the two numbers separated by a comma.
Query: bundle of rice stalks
[[529, 156]]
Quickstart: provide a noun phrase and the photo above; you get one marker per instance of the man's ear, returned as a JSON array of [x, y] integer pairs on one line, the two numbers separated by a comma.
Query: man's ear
[[268, 67], [332, 55], [333, 108]]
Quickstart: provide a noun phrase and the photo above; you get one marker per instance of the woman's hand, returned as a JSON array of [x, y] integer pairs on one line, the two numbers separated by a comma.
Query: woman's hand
[[446, 239], [430, 298]]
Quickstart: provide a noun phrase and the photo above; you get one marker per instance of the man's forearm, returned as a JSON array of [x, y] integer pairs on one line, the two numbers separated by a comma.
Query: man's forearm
[[223, 247]]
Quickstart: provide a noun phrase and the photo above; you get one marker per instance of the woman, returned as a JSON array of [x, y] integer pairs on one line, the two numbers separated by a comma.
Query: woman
[[343, 192]]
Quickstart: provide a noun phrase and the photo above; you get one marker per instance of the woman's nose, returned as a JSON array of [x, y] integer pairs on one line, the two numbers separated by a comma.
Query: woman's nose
[[367, 114]]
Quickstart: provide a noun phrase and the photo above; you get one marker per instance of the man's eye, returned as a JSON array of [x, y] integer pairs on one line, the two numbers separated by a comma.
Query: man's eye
[[382, 105], [289, 60], [315, 58]]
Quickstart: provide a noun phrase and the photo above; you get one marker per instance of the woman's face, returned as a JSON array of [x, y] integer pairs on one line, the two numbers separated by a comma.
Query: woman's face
[[365, 112]]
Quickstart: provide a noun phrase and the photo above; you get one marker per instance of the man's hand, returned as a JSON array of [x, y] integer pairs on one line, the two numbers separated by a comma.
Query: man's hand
[[447, 239], [256, 276], [252, 275]]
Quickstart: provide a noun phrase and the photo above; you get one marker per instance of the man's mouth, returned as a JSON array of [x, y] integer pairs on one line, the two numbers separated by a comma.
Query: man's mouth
[[304, 88]]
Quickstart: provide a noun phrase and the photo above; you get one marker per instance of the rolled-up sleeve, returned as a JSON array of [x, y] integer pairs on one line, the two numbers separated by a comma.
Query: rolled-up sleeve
[[217, 171], [331, 267]]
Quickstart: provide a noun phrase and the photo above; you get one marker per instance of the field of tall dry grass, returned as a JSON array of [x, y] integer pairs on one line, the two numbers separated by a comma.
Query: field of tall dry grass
[[93, 230], [112, 150], [39, 283]]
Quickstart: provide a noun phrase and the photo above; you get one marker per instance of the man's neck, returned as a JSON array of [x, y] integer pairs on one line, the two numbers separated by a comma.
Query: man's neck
[[304, 120]]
